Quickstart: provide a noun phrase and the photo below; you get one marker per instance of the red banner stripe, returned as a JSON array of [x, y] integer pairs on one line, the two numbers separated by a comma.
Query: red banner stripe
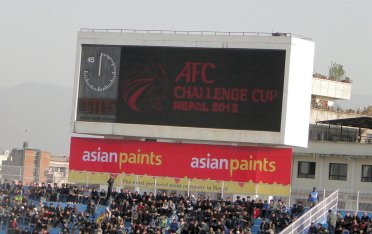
[[215, 162]]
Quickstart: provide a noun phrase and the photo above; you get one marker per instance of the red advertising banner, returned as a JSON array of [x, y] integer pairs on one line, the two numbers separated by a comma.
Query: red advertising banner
[[194, 161]]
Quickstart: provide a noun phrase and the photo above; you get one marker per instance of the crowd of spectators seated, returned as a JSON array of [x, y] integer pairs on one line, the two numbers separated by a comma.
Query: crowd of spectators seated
[[37, 207], [347, 224], [352, 223]]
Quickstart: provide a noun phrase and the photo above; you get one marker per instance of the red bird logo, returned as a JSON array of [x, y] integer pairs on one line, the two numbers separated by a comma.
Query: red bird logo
[[145, 89]]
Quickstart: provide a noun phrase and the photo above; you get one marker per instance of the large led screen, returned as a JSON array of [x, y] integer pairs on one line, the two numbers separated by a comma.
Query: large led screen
[[221, 88]]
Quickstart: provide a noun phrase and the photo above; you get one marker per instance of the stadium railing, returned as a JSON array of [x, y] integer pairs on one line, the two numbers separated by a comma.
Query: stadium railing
[[317, 212]]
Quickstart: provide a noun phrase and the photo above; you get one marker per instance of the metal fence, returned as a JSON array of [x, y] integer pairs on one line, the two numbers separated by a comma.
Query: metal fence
[[358, 201], [317, 212], [323, 132]]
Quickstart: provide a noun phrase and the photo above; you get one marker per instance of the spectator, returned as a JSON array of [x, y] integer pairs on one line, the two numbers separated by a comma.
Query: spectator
[[256, 213], [271, 207], [338, 218], [110, 183], [264, 226], [356, 217], [91, 209], [300, 208], [49, 192], [364, 221], [331, 221], [94, 195], [339, 230], [64, 191], [102, 197], [238, 201], [86, 195], [73, 194], [265, 208], [272, 228], [55, 193], [321, 229], [312, 229], [354, 228], [174, 225], [348, 219], [342, 224], [313, 197], [13, 226], [6, 185], [369, 227], [364, 218], [284, 221]]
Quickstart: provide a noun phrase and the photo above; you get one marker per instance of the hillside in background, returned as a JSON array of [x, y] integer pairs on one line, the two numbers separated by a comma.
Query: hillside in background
[[36, 113], [40, 114]]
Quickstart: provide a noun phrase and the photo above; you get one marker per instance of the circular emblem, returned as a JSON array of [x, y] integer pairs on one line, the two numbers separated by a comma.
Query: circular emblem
[[145, 89], [100, 72]]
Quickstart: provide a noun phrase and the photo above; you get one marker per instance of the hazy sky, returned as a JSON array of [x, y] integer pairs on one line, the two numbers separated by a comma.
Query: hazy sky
[[38, 37]]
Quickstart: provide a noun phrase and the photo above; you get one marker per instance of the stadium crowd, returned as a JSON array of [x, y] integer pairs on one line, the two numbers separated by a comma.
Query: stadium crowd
[[348, 223], [38, 207]]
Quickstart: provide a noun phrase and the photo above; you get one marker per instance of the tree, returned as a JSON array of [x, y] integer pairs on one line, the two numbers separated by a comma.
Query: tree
[[336, 71], [369, 110]]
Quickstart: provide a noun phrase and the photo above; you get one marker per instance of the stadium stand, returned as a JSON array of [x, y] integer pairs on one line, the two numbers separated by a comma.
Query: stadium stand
[[70, 209]]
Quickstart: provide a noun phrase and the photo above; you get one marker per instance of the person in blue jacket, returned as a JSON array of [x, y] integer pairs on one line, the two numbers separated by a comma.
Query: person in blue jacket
[[313, 197]]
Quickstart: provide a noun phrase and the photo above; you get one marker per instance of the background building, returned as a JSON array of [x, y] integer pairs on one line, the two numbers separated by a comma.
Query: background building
[[58, 170], [3, 157], [27, 165], [337, 156]]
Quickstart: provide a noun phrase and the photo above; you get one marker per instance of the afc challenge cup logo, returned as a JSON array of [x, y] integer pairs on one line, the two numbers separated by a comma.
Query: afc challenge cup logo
[[145, 89]]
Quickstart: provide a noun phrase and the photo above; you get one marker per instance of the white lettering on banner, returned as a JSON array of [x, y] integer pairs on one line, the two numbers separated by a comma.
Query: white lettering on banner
[[98, 156], [212, 163], [247, 164]]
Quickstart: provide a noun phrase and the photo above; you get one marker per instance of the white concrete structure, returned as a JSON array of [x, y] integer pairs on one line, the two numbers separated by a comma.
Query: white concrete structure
[[334, 159], [3, 157], [331, 89], [58, 170], [296, 93]]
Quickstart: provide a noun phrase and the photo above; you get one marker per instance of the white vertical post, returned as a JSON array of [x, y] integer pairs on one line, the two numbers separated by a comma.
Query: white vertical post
[[136, 188], [324, 204], [324, 194], [222, 188], [321, 172], [290, 195], [87, 174], [256, 191], [353, 174], [188, 189], [156, 180], [357, 205]]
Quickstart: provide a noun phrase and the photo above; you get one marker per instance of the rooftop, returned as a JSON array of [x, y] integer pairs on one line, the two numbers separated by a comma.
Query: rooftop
[[181, 32], [59, 158]]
